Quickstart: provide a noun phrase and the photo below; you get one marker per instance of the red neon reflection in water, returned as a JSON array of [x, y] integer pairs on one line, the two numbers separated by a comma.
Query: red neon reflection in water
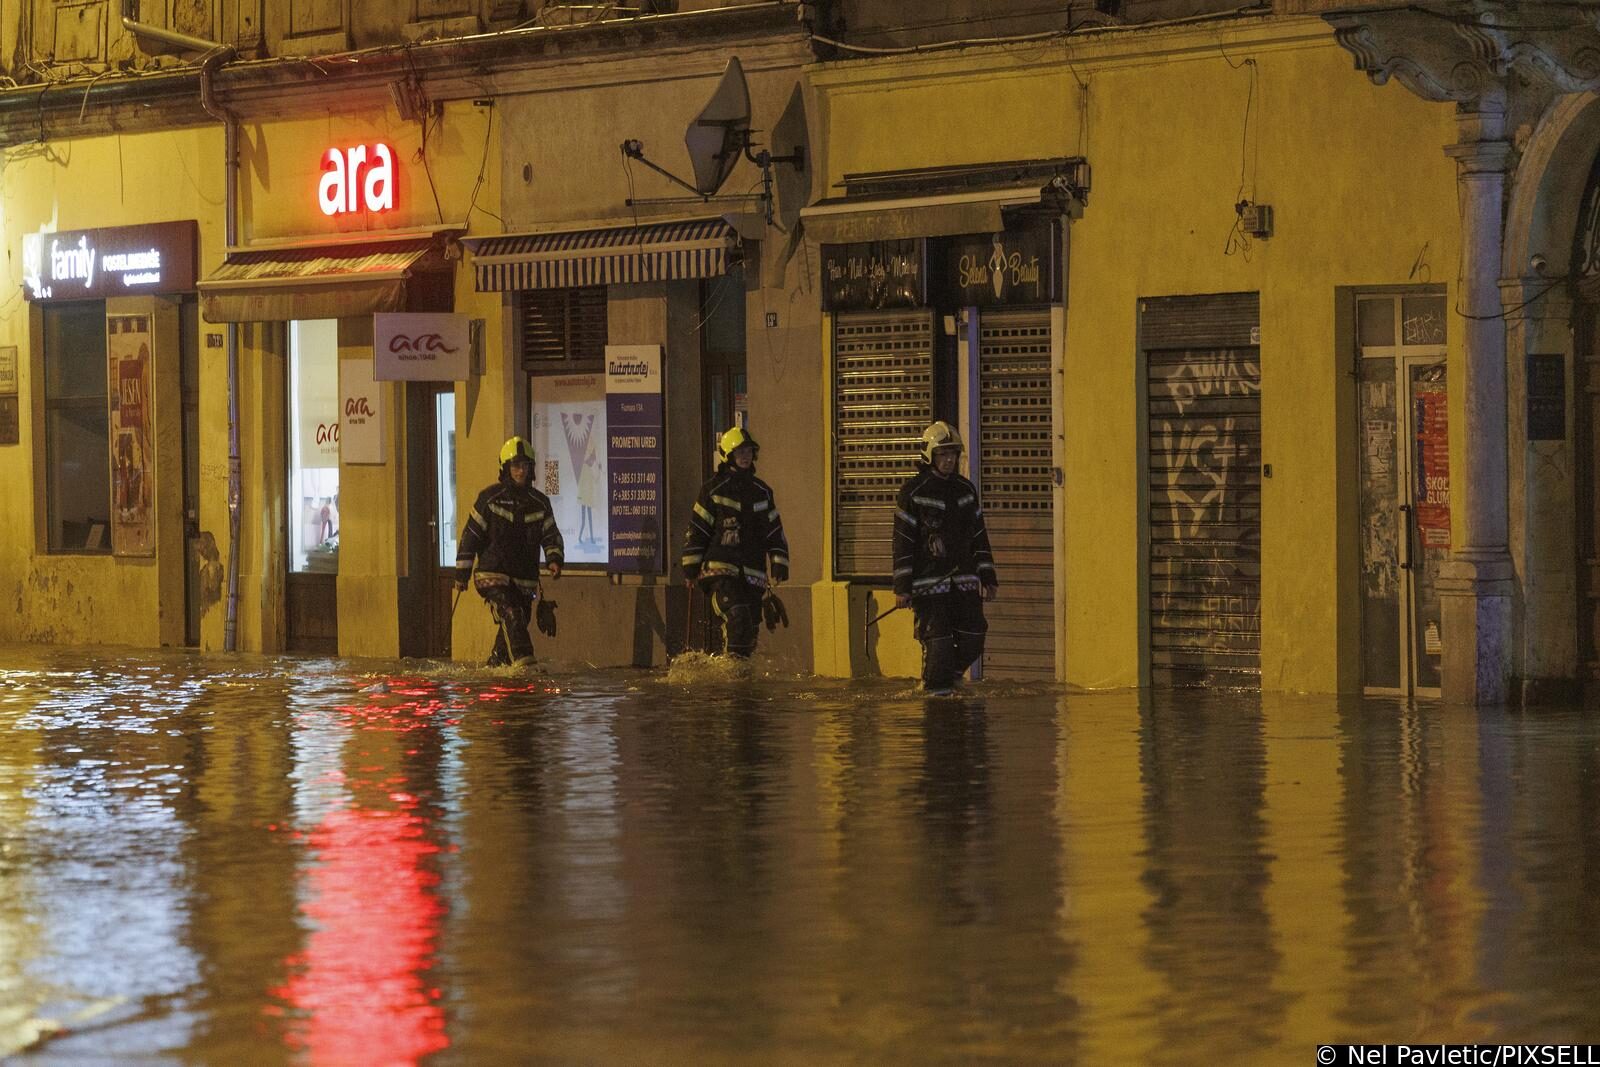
[[359, 982]]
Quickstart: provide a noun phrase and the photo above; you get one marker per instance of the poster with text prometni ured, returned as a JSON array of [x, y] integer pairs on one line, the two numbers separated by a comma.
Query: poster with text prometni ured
[[635, 459]]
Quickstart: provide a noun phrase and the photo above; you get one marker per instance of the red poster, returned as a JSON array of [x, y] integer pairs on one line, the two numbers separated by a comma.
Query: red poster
[[1432, 489], [133, 530]]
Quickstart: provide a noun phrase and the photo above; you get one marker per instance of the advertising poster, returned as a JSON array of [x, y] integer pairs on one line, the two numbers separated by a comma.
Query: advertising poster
[[360, 434], [636, 458], [569, 445], [1433, 464], [133, 531]]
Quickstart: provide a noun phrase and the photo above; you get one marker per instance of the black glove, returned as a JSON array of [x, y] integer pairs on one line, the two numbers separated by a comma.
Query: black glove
[[545, 617], [773, 612]]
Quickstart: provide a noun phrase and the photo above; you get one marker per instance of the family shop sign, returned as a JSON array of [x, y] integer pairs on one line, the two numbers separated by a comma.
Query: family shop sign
[[417, 347]]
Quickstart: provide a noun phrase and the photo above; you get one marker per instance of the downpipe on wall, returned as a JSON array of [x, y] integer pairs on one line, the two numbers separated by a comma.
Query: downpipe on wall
[[214, 60]]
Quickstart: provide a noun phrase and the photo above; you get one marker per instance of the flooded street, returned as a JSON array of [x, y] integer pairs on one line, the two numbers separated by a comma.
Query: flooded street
[[210, 859]]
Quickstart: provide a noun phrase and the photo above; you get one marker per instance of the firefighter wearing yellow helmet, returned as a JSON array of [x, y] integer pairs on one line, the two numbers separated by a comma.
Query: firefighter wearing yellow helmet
[[735, 543], [509, 525], [943, 566]]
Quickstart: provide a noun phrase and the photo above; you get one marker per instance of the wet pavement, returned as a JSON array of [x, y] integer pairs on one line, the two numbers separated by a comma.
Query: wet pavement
[[210, 859]]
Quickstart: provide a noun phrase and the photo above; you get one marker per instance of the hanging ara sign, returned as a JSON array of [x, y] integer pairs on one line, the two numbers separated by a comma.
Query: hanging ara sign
[[360, 178]]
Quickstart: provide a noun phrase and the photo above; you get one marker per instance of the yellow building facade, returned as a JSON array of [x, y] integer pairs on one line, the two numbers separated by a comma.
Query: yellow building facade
[[1179, 124]]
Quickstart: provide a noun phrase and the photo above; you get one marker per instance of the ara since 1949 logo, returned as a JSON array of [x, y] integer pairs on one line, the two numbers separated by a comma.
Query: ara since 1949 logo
[[422, 346]]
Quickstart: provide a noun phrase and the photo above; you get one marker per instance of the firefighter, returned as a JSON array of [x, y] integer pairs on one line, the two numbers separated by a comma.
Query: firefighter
[[943, 567], [735, 535], [510, 523]]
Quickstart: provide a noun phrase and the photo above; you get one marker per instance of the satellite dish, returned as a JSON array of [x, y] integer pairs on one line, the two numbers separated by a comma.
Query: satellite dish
[[720, 132]]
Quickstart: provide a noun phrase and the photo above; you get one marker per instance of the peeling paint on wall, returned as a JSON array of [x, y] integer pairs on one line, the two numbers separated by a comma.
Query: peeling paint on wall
[[211, 571]]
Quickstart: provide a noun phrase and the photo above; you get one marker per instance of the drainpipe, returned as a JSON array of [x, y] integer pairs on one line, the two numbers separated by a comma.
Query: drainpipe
[[230, 140]]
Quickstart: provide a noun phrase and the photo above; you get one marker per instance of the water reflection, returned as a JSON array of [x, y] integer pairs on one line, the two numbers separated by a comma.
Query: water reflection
[[258, 860]]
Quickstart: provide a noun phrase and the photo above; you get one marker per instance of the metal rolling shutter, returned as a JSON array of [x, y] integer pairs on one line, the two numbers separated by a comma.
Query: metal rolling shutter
[[1204, 409], [883, 381], [1014, 413]]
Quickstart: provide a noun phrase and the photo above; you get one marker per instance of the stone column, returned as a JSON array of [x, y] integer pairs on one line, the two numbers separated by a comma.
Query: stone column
[[1476, 585]]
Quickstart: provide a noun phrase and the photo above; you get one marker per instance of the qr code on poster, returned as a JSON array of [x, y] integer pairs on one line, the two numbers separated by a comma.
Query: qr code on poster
[[552, 477]]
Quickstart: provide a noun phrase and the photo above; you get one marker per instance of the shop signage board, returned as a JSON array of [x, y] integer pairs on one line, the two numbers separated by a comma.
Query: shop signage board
[[356, 180], [635, 459], [873, 275], [1547, 397], [412, 347], [117, 261], [1013, 267], [8, 395], [361, 409], [133, 528]]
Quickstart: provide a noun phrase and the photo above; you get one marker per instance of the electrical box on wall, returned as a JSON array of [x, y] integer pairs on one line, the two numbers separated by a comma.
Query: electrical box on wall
[[1255, 219]]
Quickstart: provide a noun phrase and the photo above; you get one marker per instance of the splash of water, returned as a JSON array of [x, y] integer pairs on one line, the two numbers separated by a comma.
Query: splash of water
[[702, 668]]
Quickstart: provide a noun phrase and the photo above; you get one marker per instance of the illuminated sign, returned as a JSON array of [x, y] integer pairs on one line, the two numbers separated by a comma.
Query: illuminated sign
[[356, 179], [116, 261]]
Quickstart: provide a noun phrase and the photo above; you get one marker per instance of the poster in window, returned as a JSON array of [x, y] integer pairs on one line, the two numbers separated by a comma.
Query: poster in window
[[569, 445], [132, 436], [1432, 490]]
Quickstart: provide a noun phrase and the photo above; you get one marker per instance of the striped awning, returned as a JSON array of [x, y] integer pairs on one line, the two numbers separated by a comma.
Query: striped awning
[[654, 252], [317, 282]]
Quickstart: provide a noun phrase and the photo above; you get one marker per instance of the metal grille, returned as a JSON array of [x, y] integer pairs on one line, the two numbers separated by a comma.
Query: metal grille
[[563, 327], [1014, 413], [1205, 497], [883, 375]]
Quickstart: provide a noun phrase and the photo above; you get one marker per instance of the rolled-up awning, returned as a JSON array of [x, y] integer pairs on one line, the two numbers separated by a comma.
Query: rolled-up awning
[[948, 200], [320, 281], [653, 252]]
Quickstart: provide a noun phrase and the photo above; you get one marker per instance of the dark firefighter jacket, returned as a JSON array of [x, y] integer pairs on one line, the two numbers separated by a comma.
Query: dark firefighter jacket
[[940, 542], [735, 530], [506, 529]]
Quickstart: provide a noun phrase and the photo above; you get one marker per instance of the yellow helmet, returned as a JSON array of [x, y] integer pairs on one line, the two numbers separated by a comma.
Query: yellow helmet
[[515, 448], [735, 438], [940, 435]]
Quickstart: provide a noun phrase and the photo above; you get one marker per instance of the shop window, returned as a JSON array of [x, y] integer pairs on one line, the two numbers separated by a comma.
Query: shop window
[[563, 330], [314, 446], [77, 429]]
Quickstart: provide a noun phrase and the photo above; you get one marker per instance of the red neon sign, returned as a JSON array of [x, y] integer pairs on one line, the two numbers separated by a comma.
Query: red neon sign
[[358, 178]]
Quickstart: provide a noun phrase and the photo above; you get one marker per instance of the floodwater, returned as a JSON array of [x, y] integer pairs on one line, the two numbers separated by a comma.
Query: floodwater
[[210, 859]]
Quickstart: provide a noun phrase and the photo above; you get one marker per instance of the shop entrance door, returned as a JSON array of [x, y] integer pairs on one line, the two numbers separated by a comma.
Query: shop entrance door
[[311, 606], [432, 521], [1405, 491], [1015, 475], [1203, 396]]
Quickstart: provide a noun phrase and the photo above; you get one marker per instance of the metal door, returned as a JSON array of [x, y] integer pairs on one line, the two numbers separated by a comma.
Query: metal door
[[1203, 380], [883, 380], [432, 521], [1405, 491], [1014, 473]]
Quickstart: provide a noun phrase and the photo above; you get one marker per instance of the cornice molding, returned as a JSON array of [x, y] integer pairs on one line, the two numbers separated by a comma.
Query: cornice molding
[[766, 36], [1461, 50]]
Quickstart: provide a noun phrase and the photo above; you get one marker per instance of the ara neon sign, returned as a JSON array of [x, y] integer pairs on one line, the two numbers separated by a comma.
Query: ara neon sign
[[359, 178]]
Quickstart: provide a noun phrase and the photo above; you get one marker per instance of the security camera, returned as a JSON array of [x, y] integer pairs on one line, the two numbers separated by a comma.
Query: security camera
[[1537, 263]]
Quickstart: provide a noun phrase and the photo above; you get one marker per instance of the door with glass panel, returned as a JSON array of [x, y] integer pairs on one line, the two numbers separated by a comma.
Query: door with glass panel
[[1404, 439], [312, 502], [433, 523]]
